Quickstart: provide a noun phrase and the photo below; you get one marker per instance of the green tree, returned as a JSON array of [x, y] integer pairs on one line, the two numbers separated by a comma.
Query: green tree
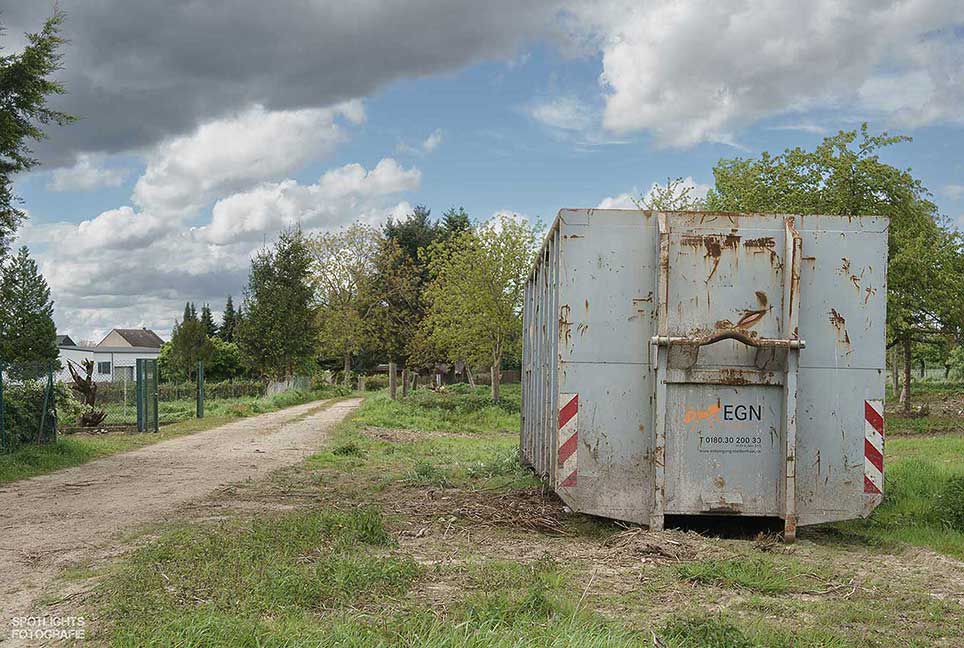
[[475, 297], [189, 344], [207, 321], [278, 333], [25, 87], [27, 331], [389, 299], [413, 234], [341, 264], [190, 313], [225, 362], [406, 242], [454, 222], [229, 322], [844, 175]]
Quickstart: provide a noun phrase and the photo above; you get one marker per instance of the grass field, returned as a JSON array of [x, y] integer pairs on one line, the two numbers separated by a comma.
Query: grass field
[[417, 527], [75, 449]]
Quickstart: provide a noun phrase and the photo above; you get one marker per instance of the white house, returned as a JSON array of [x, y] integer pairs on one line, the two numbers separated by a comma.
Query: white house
[[115, 356]]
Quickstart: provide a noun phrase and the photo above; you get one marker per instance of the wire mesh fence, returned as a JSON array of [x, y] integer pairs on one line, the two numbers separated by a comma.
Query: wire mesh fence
[[38, 399]]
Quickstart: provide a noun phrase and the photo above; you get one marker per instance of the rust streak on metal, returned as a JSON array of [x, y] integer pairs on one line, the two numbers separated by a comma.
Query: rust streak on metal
[[565, 326], [839, 323]]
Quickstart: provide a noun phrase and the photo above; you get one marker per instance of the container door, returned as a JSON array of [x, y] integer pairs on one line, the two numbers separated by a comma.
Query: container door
[[726, 347]]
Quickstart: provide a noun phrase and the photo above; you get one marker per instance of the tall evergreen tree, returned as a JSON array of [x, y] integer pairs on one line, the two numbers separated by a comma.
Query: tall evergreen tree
[[190, 313], [454, 222], [229, 322], [25, 86], [207, 322], [278, 334], [27, 331]]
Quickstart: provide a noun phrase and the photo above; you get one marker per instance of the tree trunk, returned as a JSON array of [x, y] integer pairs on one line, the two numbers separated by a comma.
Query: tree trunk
[[496, 374], [947, 371], [905, 392], [923, 369], [347, 368], [404, 382], [392, 381], [895, 371], [468, 374]]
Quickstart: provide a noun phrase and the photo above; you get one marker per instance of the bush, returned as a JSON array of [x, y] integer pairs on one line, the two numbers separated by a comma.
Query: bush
[[23, 410]]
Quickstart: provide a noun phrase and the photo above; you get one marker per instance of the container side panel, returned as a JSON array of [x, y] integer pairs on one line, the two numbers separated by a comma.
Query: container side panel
[[604, 383]]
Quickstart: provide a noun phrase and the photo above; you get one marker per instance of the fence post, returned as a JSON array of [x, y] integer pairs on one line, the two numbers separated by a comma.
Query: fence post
[[3, 423], [200, 388], [139, 393]]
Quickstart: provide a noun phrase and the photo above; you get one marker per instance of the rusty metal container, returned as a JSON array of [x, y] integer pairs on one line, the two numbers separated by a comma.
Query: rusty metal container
[[696, 363]]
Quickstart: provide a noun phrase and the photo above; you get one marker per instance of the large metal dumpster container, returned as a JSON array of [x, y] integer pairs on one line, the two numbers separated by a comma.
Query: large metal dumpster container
[[696, 363]]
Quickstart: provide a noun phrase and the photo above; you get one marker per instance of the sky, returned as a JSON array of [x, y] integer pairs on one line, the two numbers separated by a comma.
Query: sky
[[205, 128]]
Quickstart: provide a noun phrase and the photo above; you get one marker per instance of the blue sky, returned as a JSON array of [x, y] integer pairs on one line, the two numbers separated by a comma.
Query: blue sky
[[162, 193]]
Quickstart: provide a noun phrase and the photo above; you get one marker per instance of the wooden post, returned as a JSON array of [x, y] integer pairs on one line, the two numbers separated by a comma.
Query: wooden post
[[496, 375], [392, 381], [905, 391], [405, 384]]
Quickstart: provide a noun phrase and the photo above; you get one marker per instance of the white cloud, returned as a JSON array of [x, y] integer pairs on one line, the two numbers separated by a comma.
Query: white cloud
[[85, 175], [622, 201], [692, 71], [432, 141], [428, 145], [228, 155], [135, 265], [564, 113], [339, 197]]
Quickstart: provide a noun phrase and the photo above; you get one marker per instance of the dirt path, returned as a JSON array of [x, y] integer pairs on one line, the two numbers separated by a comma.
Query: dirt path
[[49, 522]]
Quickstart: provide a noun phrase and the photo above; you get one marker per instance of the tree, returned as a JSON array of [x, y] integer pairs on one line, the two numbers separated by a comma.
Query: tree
[[407, 242], [225, 362], [207, 321], [278, 333], [189, 344], [190, 313], [27, 331], [475, 297], [844, 175], [341, 264], [454, 222], [414, 233], [25, 87], [390, 301], [229, 322]]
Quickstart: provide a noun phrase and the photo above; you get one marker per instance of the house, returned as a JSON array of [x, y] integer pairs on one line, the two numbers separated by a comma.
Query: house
[[115, 356]]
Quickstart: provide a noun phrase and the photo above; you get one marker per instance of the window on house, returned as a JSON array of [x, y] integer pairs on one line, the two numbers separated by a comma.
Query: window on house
[[103, 367]]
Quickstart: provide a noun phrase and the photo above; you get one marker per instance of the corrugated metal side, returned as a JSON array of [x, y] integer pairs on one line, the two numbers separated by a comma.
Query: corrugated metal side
[[539, 380]]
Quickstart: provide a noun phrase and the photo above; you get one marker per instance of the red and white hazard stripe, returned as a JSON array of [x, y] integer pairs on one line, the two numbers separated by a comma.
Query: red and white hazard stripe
[[874, 447], [568, 439]]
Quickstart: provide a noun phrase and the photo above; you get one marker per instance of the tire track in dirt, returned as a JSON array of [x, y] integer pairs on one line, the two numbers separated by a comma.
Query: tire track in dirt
[[78, 514]]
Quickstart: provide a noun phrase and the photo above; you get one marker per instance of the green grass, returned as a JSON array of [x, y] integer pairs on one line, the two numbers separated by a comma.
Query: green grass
[[919, 505], [462, 409], [336, 577], [75, 449], [482, 450], [758, 574]]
